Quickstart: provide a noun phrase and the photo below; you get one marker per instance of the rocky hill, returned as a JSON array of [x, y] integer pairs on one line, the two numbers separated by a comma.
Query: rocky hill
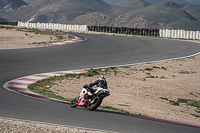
[[10, 5], [135, 4], [61, 11], [133, 13], [115, 2], [118, 2], [30, 1], [3, 20]]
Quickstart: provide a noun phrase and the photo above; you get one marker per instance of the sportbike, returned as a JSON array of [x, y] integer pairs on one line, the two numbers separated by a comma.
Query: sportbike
[[88, 100]]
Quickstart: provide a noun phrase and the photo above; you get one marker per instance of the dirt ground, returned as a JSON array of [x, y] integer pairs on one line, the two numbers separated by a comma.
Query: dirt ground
[[17, 126], [13, 38], [146, 89], [140, 90]]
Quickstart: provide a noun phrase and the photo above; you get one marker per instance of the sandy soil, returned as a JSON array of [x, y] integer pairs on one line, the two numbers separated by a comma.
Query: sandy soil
[[16, 126], [132, 89], [14, 38], [135, 88]]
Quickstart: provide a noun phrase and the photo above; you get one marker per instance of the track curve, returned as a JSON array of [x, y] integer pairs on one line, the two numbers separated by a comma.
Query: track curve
[[97, 51]]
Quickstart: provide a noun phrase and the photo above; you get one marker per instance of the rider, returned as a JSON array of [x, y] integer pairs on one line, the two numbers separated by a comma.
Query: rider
[[101, 82]]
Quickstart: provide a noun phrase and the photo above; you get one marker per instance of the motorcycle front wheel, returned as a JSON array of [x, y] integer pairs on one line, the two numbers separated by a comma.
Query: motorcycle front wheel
[[74, 102], [94, 103]]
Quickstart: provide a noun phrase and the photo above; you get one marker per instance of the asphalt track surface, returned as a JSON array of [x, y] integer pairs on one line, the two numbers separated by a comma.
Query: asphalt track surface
[[97, 51]]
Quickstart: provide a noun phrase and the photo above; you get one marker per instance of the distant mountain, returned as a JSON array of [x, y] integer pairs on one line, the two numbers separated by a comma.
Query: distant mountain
[[135, 4], [195, 2], [162, 15], [30, 1], [116, 2], [160, 1], [61, 11], [194, 10], [3, 20], [134, 14], [119, 2], [10, 5], [167, 14]]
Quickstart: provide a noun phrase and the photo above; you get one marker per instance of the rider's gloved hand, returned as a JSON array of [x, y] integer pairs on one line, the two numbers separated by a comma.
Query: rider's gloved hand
[[86, 86]]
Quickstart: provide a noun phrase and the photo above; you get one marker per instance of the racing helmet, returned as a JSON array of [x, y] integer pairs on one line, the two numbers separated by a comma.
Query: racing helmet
[[102, 78]]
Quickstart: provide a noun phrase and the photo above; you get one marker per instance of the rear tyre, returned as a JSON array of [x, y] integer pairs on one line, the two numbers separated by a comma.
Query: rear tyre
[[74, 102], [94, 103]]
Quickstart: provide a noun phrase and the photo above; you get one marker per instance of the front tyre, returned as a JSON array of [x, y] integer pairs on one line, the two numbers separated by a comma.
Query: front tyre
[[74, 102], [94, 103]]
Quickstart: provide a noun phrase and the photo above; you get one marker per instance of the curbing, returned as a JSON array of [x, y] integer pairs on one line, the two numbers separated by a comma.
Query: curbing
[[20, 85], [77, 39]]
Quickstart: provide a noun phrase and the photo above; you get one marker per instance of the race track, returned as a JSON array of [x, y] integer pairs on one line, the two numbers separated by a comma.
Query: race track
[[97, 51]]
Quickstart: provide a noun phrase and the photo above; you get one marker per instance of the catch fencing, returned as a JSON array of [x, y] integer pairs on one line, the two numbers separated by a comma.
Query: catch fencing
[[162, 33]]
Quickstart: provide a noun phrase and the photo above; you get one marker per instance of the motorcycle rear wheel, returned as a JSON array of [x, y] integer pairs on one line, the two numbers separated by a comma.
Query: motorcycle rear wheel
[[96, 102], [74, 102]]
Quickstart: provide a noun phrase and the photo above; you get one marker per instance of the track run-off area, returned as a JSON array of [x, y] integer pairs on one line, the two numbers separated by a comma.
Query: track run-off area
[[97, 51]]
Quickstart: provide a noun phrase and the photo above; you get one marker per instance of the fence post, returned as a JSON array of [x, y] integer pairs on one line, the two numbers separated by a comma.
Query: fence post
[[31, 25], [172, 34], [20, 24], [161, 33], [169, 33], [35, 25], [85, 28], [193, 35], [179, 34], [67, 28], [186, 34], [176, 34], [197, 35]]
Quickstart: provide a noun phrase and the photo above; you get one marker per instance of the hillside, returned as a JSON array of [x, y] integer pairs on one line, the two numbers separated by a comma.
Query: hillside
[[167, 14], [10, 5], [119, 2], [134, 14], [135, 4], [3, 20], [194, 10], [61, 11], [29, 1], [115, 2], [160, 1]]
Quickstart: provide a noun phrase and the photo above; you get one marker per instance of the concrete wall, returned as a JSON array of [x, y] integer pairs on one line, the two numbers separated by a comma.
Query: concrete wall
[[179, 34], [53, 26], [163, 33]]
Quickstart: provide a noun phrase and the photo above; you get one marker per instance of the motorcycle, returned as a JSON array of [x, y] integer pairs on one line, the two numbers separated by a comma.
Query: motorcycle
[[88, 100]]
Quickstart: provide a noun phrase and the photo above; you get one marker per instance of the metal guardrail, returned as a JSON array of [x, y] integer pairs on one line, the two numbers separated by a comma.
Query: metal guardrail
[[163, 33], [124, 30], [9, 23]]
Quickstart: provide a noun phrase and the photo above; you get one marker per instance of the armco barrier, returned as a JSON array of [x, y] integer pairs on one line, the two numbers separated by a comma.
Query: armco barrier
[[9, 23], [163, 33], [125, 30]]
